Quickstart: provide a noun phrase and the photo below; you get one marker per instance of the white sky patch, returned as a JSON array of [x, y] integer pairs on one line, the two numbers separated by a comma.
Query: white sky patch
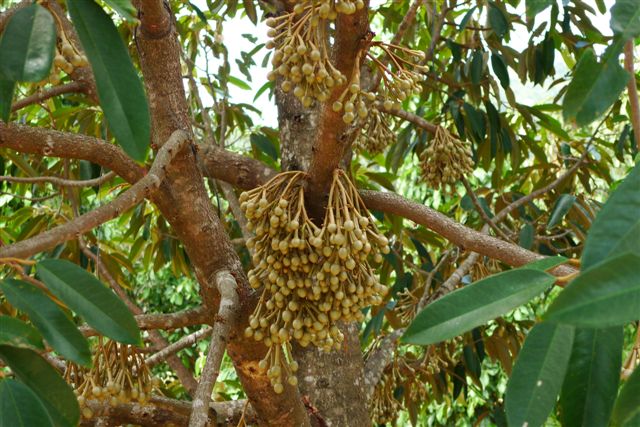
[[234, 28]]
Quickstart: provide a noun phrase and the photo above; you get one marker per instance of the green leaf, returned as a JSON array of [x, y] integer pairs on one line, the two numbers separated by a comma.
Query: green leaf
[[250, 8], [625, 18], [7, 88], [20, 407], [538, 373], [27, 45], [607, 294], [125, 8], [500, 69], [497, 20], [56, 395], [590, 386], [89, 298], [264, 144], [52, 322], [617, 226], [594, 88], [16, 333], [476, 304], [560, 209], [627, 405], [119, 89], [527, 236], [238, 83], [477, 66], [546, 263], [534, 7]]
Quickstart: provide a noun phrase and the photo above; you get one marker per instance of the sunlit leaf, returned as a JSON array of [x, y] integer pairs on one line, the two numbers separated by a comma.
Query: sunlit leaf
[[475, 304], [89, 298], [119, 89], [27, 45]]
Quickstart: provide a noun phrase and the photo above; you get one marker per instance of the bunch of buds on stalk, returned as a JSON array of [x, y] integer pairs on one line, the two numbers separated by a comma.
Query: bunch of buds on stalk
[[118, 375], [401, 77], [446, 160], [311, 277], [301, 58], [376, 134]]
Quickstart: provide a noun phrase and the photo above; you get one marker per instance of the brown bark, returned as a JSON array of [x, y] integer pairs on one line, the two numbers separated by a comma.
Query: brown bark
[[185, 204]]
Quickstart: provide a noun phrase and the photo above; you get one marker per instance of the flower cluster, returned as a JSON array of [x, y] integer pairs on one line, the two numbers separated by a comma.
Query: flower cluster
[[312, 277], [376, 134], [118, 375], [446, 159]]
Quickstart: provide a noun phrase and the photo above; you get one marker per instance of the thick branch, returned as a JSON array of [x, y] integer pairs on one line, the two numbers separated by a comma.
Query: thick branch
[[48, 93], [633, 90], [333, 136], [458, 234], [161, 411], [86, 222], [225, 321], [60, 181], [48, 142]]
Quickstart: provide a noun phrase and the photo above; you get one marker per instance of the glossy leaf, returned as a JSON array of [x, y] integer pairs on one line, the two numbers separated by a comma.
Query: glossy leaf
[[546, 263], [590, 386], [89, 298], [594, 88], [20, 407], [497, 20], [605, 295], [119, 89], [534, 7], [51, 321], [560, 209], [125, 8], [627, 405], [617, 227], [16, 333], [500, 69], [27, 45], [7, 88], [625, 18], [476, 304], [538, 373], [35, 372]]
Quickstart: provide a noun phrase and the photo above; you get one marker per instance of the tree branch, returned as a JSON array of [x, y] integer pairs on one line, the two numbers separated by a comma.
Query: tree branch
[[333, 136], [480, 210], [182, 343], [48, 142], [225, 321], [161, 411], [632, 87], [48, 93], [86, 222], [60, 181]]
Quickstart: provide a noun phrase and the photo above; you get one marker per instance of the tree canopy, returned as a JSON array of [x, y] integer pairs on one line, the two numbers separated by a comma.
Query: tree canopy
[[356, 213]]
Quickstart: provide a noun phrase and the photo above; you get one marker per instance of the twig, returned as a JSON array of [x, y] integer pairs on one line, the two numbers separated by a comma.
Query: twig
[[633, 90], [86, 222], [60, 181], [30, 199], [48, 93], [225, 320], [410, 117], [183, 342], [483, 214]]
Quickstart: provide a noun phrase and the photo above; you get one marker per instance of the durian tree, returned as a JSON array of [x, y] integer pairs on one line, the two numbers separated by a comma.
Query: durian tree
[[442, 229]]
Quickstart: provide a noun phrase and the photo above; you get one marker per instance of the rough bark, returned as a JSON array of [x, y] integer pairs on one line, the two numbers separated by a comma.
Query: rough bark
[[186, 206]]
